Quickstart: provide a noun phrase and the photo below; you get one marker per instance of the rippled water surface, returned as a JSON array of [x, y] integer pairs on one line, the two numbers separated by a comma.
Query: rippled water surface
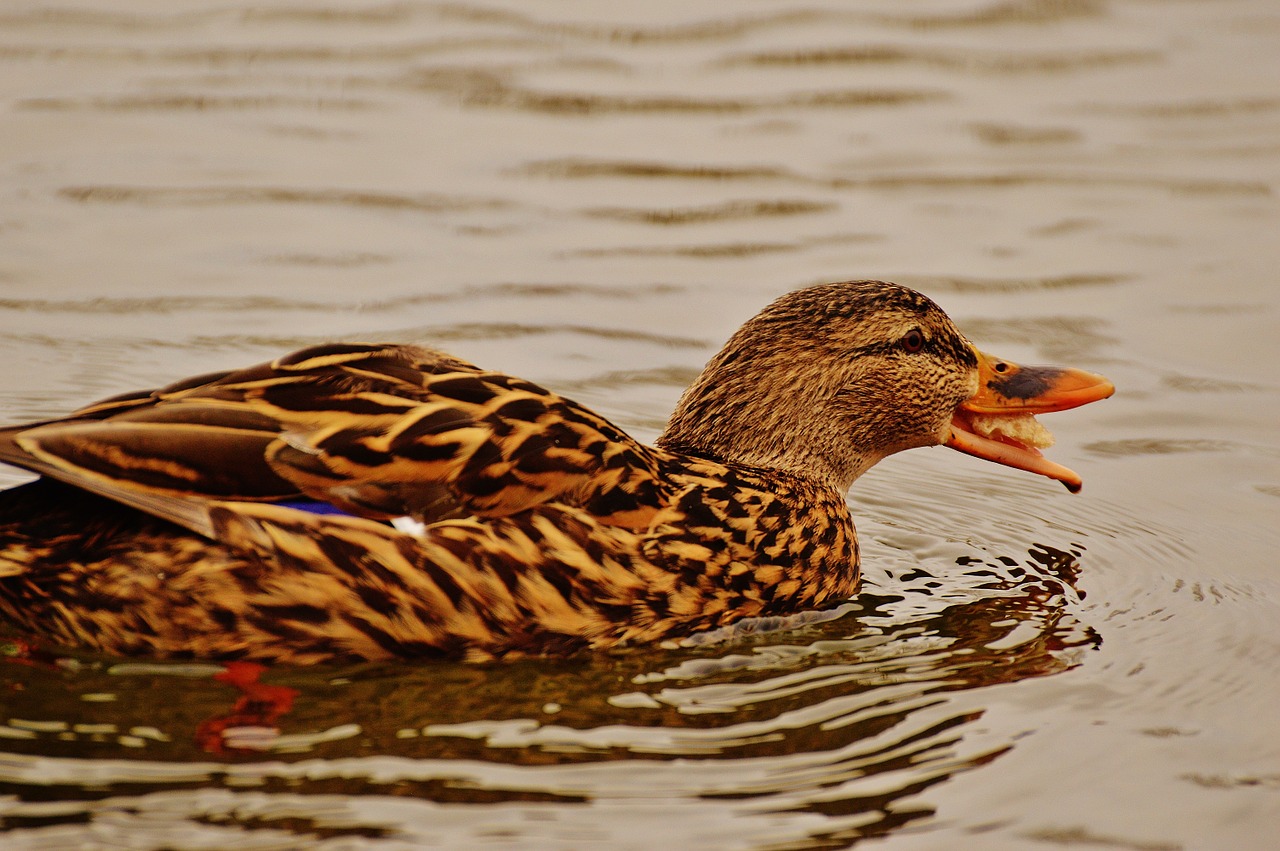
[[593, 196]]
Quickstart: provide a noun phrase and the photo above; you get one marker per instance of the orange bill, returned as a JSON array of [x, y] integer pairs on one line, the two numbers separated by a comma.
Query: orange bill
[[998, 422]]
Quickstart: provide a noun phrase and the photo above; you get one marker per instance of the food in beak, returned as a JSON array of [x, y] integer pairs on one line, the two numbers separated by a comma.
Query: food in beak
[[1018, 429], [998, 422]]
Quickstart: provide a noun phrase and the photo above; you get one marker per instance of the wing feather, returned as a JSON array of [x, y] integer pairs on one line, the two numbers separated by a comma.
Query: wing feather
[[378, 430], [501, 445]]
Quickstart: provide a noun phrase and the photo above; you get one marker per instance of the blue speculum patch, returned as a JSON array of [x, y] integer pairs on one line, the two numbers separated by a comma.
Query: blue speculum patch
[[314, 506]]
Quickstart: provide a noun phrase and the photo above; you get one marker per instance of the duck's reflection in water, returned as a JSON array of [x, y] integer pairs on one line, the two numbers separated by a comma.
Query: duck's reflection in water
[[816, 736]]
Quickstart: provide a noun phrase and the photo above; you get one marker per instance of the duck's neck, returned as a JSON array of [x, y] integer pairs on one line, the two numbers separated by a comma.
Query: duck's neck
[[736, 418]]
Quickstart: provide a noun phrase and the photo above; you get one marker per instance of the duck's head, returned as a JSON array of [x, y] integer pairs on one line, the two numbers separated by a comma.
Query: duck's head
[[828, 380]]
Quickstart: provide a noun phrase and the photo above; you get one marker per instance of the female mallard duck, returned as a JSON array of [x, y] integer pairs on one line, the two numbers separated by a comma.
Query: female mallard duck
[[360, 501]]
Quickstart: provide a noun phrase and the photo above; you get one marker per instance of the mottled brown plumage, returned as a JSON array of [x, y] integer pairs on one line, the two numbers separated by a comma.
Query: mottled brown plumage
[[168, 523]]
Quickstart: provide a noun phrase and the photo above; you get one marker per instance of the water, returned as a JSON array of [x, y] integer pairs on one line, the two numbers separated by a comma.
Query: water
[[593, 197]]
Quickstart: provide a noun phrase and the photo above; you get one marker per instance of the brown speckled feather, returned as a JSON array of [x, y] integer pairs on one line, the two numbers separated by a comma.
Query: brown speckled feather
[[286, 585]]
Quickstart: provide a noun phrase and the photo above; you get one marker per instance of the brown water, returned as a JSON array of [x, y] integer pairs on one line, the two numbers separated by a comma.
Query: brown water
[[593, 196]]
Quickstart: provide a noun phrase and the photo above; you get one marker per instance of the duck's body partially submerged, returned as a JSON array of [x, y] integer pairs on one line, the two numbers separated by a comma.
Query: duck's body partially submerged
[[378, 501]]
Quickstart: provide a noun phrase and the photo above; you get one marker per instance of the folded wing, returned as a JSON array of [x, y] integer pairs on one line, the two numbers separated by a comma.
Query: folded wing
[[376, 430]]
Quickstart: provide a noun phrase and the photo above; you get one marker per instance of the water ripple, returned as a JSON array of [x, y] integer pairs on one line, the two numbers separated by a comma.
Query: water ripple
[[725, 249], [1216, 108], [1003, 12], [728, 211], [515, 330], [223, 55], [195, 102], [956, 284], [486, 89], [712, 30], [584, 168], [200, 195], [579, 168], [981, 62], [1131, 447], [169, 304]]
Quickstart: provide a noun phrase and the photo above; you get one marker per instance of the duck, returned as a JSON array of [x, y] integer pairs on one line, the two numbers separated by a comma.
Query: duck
[[381, 501]]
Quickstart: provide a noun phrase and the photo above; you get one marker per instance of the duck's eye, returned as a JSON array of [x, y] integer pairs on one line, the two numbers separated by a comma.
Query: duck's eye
[[913, 341]]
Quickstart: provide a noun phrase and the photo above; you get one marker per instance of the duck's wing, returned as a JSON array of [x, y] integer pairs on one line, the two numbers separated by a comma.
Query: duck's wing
[[377, 430], [482, 443], [165, 451], [161, 467]]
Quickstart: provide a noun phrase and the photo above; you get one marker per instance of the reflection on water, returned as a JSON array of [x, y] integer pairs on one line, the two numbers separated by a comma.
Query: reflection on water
[[593, 196], [845, 719]]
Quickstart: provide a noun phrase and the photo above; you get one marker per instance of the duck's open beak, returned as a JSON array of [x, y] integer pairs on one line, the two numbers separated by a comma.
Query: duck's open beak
[[998, 423]]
